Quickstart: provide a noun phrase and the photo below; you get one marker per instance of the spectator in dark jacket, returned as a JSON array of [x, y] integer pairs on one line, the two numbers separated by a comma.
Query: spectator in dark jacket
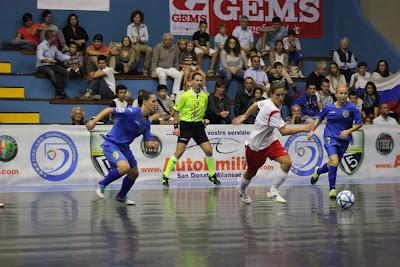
[[218, 106], [74, 32], [243, 99], [308, 102]]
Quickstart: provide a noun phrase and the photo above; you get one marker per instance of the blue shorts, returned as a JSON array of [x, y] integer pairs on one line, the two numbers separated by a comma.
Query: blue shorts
[[115, 153], [333, 146]]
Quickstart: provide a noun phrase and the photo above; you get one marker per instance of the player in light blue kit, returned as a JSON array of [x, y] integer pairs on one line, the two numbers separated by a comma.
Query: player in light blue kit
[[343, 118], [129, 123]]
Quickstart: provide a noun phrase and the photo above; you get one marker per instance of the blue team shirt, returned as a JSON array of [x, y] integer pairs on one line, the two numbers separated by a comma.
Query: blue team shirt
[[339, 119], [128, 124]]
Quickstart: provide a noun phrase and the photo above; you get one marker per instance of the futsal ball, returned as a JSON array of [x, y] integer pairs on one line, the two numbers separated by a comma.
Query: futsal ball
[[345, 199]]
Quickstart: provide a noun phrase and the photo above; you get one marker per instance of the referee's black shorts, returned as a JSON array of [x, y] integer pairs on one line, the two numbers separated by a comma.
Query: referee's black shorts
[[195, 130]]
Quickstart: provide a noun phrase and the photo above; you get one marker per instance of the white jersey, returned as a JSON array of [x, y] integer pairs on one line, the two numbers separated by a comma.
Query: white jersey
[[268, 118]]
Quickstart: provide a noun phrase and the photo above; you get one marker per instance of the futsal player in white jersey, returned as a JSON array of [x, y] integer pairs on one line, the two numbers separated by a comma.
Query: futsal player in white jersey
[[263, 144]]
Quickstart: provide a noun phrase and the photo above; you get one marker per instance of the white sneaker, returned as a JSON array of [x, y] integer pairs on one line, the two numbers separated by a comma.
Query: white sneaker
[[126, 201], [100, 190], [1, 205], [243, 196], [301, 75], [276, 197]]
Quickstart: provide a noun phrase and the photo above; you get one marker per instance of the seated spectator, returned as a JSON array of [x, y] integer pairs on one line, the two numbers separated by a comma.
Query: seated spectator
[[278, 73], [140, 95], [335, 77], [269, 35], [188, 62], [254, 52], [243, 99], [293, 48], [362, 72], [296, 117], [94, 50], [257, 73], [370, 100], [126, 62], [78, 116], [324, 96], [165, 105], [139, 35], [102, 81], [382, 71], [75, 33], [245, 38], [231, 62], [47, 25], [220, 38], [353, 98], [368, 120], [384, 118], [121, 93], [202, 45], [164, 63], [258, 96], [75, 64], [308, 103], [47, 57], [317, 76], [345, 59], [278, 54], [218, 106]]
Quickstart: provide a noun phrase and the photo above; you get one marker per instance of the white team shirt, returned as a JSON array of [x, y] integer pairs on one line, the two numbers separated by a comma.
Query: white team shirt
[[268, 118]]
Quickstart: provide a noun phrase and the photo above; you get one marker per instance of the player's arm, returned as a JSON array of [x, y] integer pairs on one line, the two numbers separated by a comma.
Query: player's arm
[[288, 130], [92, 123], [240, 119], [317, 122], [358, 122], [149, 139], [176, 122]]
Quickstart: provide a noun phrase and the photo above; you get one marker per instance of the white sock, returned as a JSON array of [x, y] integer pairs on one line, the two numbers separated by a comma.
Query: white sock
[[279, 180], [243, 185]]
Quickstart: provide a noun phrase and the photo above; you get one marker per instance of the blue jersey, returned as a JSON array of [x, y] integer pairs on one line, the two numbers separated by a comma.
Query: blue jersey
[[128, 124], [339, 119]]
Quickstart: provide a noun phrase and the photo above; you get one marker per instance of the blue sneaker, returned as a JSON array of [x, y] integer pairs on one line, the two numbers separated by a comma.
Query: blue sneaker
[[100, 190], [125, 200]]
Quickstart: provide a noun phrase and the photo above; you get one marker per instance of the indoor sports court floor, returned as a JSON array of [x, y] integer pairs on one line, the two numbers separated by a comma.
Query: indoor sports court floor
[[201, 227]]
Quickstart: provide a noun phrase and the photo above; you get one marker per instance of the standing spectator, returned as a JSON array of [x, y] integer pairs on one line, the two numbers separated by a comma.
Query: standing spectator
[[345, 59], [139, 35], [296, 117], [370, 100], [126, 62], [308, 103], [47, 56], [271, 34], [382, 71], [278, 54], [243, 99], [75, 64], [102, 81], [94, 50], [317, 76], [47, 25], [203, 47], [231, 62], [292, 46], [220, 38], [245, 37], [218, 106], [165, 105], [258, 74], [362, 72], [73, 32], [164, 63], [78, 116], [384, 118], [353, 98], [121, 93], [324, 96], [335, 77]]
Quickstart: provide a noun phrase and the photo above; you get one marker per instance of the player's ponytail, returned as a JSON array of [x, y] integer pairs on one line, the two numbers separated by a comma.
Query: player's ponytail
[[146, 96]]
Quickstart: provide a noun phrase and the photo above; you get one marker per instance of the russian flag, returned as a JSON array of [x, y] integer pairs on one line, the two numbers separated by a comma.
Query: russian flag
[[388, 89]]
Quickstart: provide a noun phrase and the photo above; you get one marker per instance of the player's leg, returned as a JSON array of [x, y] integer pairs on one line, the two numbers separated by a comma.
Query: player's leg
[[334, 159], [127, 183], [202, 140], [180, 149], [324, 168]]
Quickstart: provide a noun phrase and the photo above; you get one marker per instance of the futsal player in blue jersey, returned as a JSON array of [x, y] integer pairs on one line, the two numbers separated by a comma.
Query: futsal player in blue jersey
[[343, 118], [129, 123]]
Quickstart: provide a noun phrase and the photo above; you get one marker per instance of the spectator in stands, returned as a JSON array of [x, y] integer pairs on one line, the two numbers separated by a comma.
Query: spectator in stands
[[245, 37], [218, 106], [278, 74], [73, 32], [94, 50], [278, 54], [231, 61], [258, 96], [345, 59], [353, 97], [78, 116], [75, 64], [382, 71], [102, 81], [335, 77], [126, 62], [140, 95], [293, 47], [243, 99], [203, 48], [317, 76], [47, 25], [324, 96], [362, 72], [368, 120], [384, 118], [257, 73], [296, 117], [47, 57], [220, 38], [164, 63], [269, 35], [165, 105], [121, 93], [308, 103], [139, 35], [254, 52], [189, 64], [370, 100]]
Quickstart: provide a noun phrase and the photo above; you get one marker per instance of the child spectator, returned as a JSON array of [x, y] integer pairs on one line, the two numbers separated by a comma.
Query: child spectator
[[324, 96], [362, 72], [353, 98], [75, 33], [126, 62], [165, 105], [335, 77], [121, 93], [292, 45], [203, 47], [94, 50], [220, 38], [370, 100], [75, 64], [188, 62], [47, 25]]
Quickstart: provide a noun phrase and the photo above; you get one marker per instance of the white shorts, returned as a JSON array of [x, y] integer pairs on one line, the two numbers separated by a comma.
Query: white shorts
[[199, 51]]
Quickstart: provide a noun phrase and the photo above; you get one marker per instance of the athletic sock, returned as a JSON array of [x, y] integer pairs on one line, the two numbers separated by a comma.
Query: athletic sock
[[126, 186], [281, 176], [244, 183], [332, 177], [323, 169], [210, 165], [170, 165], [111, 177]]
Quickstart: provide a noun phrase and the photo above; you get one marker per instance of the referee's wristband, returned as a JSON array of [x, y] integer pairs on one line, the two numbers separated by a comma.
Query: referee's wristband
[[176, 126]]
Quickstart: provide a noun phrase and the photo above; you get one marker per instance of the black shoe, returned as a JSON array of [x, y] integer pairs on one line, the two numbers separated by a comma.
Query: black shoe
[[213, 179], [164, 181]]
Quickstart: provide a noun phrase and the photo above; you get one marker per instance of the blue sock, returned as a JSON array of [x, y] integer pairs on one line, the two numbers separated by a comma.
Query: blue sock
[[126, 186], [332, 177], [323, 169], [111, 177]]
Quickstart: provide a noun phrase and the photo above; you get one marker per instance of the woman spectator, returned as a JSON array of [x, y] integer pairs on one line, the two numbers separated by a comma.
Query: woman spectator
[[370, 100], [126, 59], [218, 106], [278, 54], [231, 61], [335, 77], [382, 71], [74, 32], [47, 25]]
